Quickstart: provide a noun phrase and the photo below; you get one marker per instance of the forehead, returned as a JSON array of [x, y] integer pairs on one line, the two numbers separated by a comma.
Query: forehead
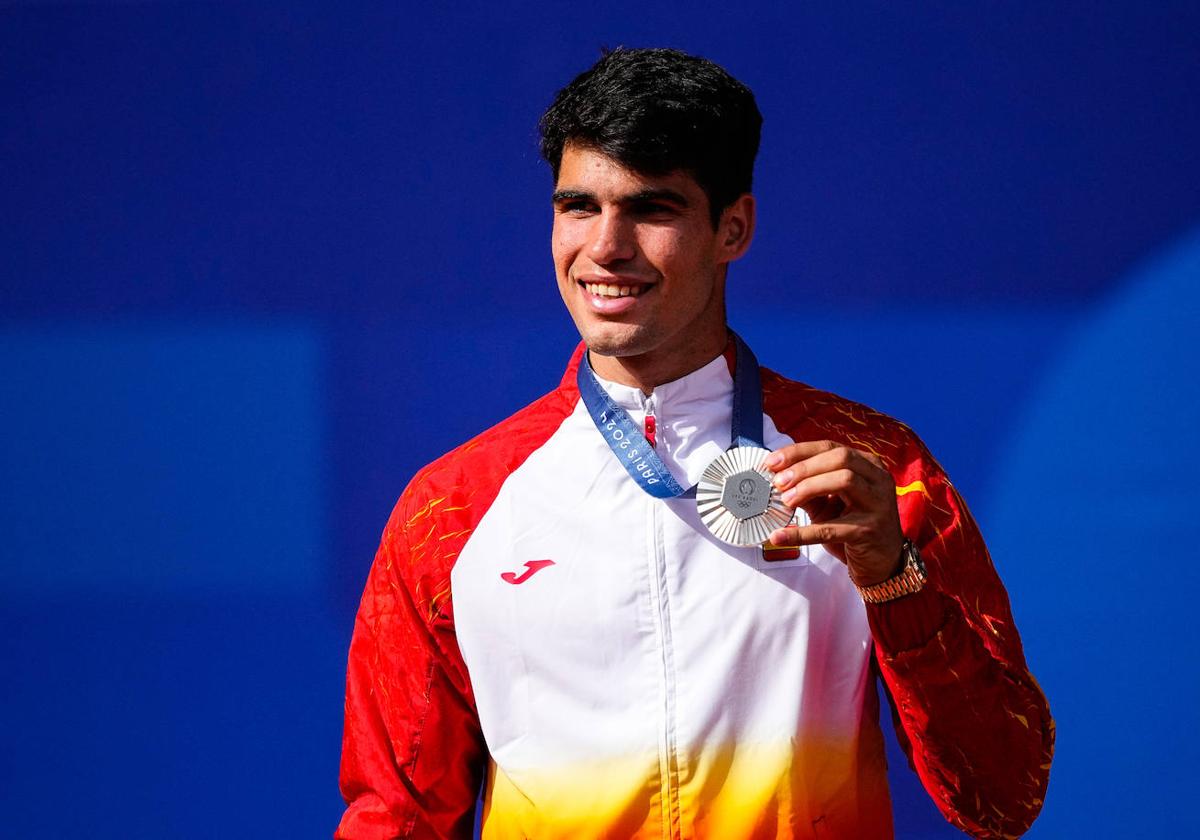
[[586, 170]]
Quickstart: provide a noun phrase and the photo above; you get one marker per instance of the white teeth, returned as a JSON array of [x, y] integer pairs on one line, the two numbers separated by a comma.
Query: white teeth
[[606, 290]]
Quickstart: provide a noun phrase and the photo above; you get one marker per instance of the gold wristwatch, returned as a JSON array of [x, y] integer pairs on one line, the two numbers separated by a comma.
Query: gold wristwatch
[[910, 579]]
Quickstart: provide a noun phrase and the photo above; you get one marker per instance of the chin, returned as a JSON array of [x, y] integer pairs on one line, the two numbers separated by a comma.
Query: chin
[[617, 339]]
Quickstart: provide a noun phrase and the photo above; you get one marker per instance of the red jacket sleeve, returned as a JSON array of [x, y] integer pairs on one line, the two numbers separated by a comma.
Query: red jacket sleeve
[[972, 718], [412, 753]]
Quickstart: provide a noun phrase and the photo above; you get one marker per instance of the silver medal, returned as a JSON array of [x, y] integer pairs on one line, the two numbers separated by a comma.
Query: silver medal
[[736, 499]]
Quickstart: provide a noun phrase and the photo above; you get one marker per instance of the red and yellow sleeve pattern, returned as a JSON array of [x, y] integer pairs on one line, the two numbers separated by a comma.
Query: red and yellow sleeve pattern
[[970, 715], [412, 752], [975, 723], [413, 756]]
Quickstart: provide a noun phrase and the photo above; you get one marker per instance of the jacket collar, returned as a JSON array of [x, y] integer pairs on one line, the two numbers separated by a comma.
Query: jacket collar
[[709, 384]]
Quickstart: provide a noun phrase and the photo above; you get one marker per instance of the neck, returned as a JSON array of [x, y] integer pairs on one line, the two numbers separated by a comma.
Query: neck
[[649, 370]]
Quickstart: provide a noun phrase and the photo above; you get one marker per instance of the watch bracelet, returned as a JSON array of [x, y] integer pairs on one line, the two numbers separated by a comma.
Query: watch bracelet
[[910, 579]]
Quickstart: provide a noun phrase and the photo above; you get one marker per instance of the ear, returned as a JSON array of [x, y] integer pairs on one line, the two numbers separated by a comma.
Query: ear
[[735, 230]]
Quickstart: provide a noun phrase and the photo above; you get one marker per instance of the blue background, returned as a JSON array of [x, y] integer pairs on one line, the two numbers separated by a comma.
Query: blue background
[[260, 263]]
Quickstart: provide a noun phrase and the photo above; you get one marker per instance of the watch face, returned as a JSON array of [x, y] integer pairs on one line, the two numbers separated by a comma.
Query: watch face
[[913, 557]]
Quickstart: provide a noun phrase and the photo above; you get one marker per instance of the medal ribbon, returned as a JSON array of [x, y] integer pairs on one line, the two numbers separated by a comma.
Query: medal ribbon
[[635, 453]]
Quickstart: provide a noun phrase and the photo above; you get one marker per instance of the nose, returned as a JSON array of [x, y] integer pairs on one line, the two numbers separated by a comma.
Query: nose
[[612, 238]]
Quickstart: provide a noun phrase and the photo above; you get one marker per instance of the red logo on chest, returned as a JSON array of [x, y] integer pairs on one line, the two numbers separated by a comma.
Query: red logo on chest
[[531, 568]]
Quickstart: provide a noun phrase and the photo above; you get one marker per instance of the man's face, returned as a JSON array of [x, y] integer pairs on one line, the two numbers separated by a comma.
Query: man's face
[[639, 264]]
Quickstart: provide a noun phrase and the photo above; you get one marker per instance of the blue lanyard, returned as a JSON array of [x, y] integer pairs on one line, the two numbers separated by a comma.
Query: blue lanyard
[[636, 454]]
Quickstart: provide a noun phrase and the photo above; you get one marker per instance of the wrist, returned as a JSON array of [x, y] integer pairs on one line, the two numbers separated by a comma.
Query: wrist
[[908, 579], [884, 572]]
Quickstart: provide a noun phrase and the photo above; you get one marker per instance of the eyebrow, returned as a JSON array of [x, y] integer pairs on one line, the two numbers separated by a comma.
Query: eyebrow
[[640, 197], [570, 195]]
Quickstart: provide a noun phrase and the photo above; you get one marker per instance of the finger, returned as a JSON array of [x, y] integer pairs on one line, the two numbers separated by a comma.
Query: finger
[[793, 452], [848, 529], [789, 537], [838, 458], [786, 537], [851, 487]]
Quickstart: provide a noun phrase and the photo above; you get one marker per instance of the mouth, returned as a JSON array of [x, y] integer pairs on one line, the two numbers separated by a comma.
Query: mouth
[[612, 297], [614, 290]]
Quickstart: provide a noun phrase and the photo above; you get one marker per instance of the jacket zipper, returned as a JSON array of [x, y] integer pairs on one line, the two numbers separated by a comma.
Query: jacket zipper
[[668, 755]]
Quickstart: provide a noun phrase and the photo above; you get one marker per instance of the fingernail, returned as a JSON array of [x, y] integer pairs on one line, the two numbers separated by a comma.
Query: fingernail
[[783, 478], [789, 497], [774, 460]]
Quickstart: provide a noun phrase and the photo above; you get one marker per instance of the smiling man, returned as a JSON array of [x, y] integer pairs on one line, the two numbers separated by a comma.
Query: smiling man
[[641, 265], [654, 602]]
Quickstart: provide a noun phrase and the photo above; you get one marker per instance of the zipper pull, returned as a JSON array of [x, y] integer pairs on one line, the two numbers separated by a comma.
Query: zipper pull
[[651, 423]]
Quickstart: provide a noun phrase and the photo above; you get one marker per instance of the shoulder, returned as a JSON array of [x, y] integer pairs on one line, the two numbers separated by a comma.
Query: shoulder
[[806, 413], [444, 502], [461, 484]]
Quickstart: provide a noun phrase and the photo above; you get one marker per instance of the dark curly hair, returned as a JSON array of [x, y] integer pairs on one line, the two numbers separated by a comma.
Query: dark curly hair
[[656, 111]]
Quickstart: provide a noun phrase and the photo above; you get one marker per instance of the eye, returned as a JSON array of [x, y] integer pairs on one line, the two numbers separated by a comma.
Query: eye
[[653, 208], [576, 207]]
